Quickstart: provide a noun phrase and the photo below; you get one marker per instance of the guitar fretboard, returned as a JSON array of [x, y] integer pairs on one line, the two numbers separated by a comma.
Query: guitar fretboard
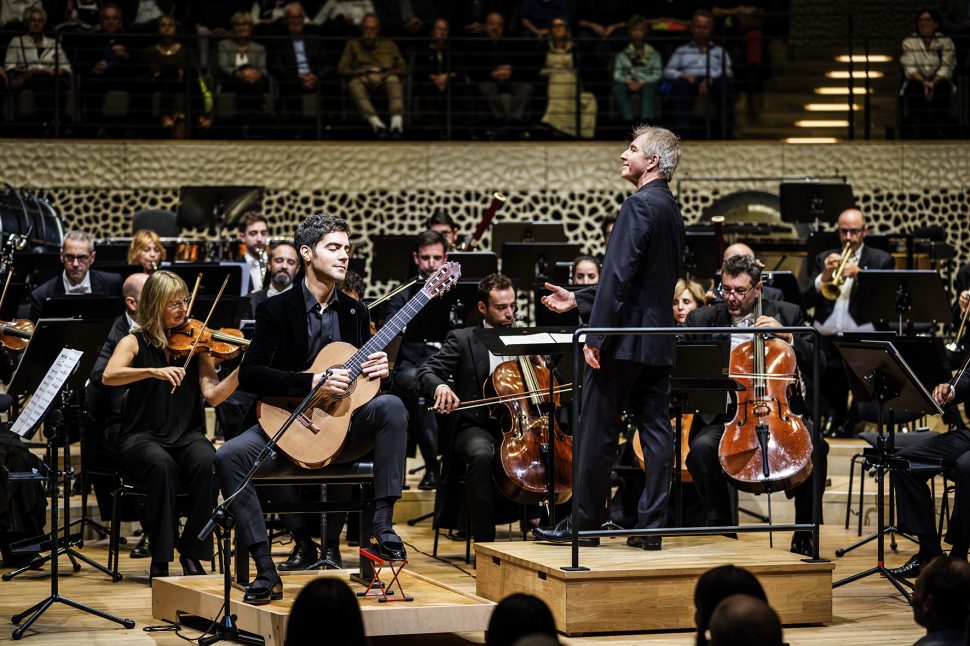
[[383, 337]]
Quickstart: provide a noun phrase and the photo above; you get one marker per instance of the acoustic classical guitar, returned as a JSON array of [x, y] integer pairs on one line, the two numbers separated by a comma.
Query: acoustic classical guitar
[[319, 433]]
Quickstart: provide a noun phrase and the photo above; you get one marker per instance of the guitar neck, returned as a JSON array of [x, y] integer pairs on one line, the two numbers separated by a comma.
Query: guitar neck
[[383, 337]]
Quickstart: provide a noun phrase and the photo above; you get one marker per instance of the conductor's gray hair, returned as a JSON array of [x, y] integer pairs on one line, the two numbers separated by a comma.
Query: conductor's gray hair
[[662, 143]]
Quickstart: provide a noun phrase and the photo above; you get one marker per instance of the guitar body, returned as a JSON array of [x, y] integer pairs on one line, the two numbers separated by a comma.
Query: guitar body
[[315, 439]]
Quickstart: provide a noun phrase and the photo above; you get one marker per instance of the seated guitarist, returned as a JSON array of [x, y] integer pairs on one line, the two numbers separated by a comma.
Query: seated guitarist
[[290, 331]]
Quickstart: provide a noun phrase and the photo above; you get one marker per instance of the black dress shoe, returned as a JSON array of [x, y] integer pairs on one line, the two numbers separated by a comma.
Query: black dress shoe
[[143, 549], [650, 543], [191, 567], [429, 482], [332, 557], [158, 569], [911, 568], [562, 533], [304, 555], [388, 545], [802, 544], [261, 591]]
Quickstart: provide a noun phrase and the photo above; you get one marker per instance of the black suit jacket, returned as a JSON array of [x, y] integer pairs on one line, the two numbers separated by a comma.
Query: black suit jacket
[[253, 301], [637, 280], [464, 359], [102, 283], [871, 259], [283, 61], [278, 351]]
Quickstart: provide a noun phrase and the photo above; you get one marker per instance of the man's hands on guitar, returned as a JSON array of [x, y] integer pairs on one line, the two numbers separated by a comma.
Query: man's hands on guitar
[[376, 366], [560, 300], [336, 384], [445, 399]]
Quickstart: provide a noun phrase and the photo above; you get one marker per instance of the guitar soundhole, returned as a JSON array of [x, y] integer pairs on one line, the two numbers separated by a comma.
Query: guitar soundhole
[[349, 391]]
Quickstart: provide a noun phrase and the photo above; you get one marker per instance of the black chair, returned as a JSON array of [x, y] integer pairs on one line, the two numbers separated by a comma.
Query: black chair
[[161, 221]]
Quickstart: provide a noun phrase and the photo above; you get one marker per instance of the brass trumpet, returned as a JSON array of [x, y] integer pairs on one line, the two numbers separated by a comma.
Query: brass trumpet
[[833, 290]]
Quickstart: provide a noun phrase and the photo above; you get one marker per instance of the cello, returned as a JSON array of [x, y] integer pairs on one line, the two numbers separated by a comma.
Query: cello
[[766, 447], [520, 470]]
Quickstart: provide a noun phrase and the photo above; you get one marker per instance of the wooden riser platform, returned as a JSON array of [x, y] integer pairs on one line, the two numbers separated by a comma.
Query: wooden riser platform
[[437, 608], [631, 590]]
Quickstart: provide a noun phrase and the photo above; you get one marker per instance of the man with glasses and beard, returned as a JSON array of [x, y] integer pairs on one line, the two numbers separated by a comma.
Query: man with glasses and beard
[[283, 265]]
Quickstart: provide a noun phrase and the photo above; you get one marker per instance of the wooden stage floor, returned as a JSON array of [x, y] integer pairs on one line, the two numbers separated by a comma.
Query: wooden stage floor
[[866, 612]]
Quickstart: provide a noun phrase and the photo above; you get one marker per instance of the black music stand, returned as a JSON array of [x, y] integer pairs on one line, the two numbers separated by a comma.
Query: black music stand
[[528, 262], [814, 202], [885, 379], [83, 306], [213, 275], [700, 256], [503, 232], [889, 296], [552, 342], [390, 259], [475, 264]]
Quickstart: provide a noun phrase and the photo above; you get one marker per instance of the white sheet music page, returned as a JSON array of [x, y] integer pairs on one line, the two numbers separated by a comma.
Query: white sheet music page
[[41, 400]]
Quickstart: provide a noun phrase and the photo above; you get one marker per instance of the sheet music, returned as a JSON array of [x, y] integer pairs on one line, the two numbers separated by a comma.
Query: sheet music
[[41, 400]]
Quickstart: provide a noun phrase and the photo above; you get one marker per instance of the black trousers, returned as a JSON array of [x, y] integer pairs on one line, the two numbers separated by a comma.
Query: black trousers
[[835, 382], [422, 423], [914, 504], [718, 494], [164, 472], [605, 392], [379, 426], [475, 446]]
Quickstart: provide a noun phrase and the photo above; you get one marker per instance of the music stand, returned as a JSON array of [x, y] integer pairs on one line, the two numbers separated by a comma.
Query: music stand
[[888, 296], [552, 341], [228, 311], [527, 261], [82, 306], [475, 264], [391, 258], [213, 275], [700, 255], [503, 232], [814, 202], [885, 379], [37, 267]]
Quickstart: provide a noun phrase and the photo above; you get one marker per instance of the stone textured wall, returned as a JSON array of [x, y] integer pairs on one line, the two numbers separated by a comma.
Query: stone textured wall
[[391, 189]]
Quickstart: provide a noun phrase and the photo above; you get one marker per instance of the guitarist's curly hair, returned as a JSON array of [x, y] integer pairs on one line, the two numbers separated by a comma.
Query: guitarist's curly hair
[[312, 230]]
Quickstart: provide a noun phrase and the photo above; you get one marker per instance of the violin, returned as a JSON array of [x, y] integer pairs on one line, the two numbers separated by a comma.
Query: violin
[[766, 447], [14, 335], [520, 470], [225, 343]]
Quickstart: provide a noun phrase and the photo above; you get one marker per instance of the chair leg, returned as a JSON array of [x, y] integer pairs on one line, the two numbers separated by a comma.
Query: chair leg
[[848, 498], [862, 496]]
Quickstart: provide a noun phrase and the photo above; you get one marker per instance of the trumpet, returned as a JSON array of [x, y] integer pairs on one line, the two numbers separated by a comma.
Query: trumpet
[[833, 290]]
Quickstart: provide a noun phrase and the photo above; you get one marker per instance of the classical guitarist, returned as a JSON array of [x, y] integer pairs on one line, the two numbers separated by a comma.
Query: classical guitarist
[[291, 329]]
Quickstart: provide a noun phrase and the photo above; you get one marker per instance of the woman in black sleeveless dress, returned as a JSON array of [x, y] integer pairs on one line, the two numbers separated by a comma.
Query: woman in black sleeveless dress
[[162, 442]]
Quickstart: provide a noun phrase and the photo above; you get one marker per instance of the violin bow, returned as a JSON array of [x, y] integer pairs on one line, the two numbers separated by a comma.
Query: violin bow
[[6, 286], [205, 324], [195, 292]]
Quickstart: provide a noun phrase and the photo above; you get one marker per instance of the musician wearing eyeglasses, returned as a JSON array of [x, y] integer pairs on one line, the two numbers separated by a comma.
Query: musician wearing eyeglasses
[[291, 329], [833, 295], [914, 499], [740, 289], [77, 256]]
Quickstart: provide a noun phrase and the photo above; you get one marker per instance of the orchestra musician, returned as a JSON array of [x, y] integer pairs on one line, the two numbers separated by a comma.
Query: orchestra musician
[[606, 229], [638, 276], [586, 271], [740, 288], [443, 223], [843, 314], [146, 251], [254, 235], [353, 285], [77, 256], [740, 249], [284, 262], [465, 359], [430, 252], [290, 330], [162, 442], [688, 296], [914, 501]]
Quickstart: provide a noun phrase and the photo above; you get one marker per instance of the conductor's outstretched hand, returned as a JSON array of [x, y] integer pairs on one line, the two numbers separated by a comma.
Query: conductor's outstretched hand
[[560, 300]]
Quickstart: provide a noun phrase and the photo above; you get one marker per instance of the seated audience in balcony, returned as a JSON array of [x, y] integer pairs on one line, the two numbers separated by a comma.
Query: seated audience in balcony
[[468, 18], [440, 84], [339, 21], [928, 60], [699, 73], [373, 64], [564, 84], [142, 16], [536, 16], [740, 26], [38, 64], [669, 22], [298, 65], [498, 66], [600, 29], [242, 67], [956, 23], [104, 62], [406, 19], [636, 71], [172, 78]]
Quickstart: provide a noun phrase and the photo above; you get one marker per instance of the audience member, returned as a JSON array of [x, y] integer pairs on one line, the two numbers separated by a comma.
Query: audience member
[[469, 17], [146, 251], [269, 13], [406, 19], [104, 62], [440, 83], [743, 620], [714, 586], [38, 64], [173, 76], [500, 67], [586, 271], [325, 612], [636, 71], [77, 256], [371, 64], [343, 17], [299, 64], [688, 296], [928, 60], [537, 16], [699, 69], [242, 65], [563, 86], [600, 28], [142, 16], [516, 616], [353, 285], [941, 602], [740, 25]]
